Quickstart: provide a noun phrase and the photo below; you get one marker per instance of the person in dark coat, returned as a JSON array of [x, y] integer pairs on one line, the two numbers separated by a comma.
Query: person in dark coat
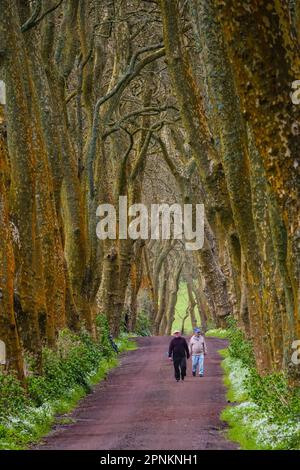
[[179, 352]]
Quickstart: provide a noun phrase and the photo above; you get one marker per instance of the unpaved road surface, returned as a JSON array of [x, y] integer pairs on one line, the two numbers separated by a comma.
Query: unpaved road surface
[[141, 406]]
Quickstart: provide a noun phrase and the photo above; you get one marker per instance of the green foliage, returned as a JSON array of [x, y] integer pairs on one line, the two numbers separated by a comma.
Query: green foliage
[[143, 326], [254, 429], [12, 395], [76, 356], [239, 347], [217, 333], [273, 395], [126, 343], [103, 334], [240, 430], [68, 374], [268, 415], [180, 311]]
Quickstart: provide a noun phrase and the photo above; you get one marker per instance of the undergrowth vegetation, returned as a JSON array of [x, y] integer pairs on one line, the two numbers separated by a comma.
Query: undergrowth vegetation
[[267, 410], [68, 374], [143, 324], [217, 333]]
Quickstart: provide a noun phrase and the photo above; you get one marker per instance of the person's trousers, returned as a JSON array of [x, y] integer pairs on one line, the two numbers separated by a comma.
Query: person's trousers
[[198, 361], [179, 367]]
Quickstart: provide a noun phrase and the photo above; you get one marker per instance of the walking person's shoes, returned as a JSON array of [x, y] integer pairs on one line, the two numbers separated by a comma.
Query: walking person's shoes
[[201, 375], [194, 374], [182, 377], [177, 380]]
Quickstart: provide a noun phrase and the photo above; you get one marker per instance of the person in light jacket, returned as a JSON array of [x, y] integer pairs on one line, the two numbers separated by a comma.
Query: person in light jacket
[[198, 349]]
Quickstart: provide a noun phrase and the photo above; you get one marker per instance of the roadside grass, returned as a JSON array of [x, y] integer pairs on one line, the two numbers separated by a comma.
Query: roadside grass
[[217, 333], [265, 412], [26, 417], [125, 342]]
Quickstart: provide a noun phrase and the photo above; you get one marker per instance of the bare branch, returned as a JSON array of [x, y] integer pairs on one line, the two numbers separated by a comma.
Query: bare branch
[[132, 71], [34, 20], [122, 177], [148, 111]]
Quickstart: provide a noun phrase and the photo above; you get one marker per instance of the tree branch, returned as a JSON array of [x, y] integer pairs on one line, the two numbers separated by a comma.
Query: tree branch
[[148, 111], [131, 72], [141, 157], [34, 20], [122, 177]]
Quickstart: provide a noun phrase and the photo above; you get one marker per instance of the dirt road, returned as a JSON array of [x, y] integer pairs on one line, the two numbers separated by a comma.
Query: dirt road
[[141, 406]]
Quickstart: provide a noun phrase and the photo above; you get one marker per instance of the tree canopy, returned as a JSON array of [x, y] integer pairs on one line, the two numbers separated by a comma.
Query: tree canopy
[[161, 101]]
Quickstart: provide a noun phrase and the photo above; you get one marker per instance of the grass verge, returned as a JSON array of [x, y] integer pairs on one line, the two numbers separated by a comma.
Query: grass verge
[[69, 374], [217, 333], [266, 410]]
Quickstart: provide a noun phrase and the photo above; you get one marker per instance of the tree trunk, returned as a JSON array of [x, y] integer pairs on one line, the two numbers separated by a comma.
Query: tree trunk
[[22, 152], [8, 328]]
